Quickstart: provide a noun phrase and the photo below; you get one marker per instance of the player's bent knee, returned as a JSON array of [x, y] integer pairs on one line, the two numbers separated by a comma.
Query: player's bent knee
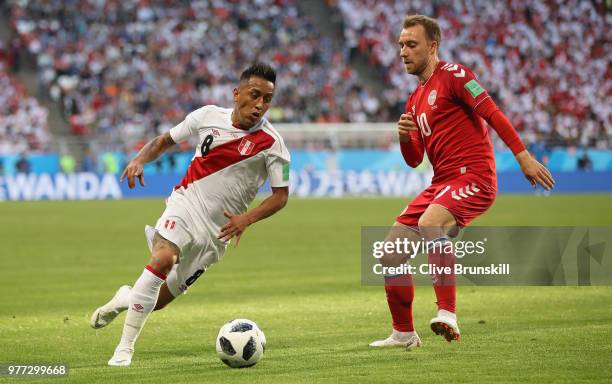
[[393, 260], [164, 254], [428, 222], [436, 216], [163, 260]]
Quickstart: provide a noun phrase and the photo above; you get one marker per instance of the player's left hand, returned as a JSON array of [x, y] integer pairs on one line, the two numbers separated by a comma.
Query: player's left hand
[[235, 227], [534, 171]]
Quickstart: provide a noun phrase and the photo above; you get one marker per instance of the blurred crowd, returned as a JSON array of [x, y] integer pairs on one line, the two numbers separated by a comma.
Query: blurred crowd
[[123, 71], [23, 121], [126, 70], [546, 63]]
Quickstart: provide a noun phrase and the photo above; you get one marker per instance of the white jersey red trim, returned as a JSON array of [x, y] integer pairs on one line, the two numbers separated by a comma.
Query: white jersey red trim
[[228, 167], [226, 154]]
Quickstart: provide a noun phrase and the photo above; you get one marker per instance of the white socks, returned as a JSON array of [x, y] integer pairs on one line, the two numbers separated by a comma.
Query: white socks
[[142, 300]]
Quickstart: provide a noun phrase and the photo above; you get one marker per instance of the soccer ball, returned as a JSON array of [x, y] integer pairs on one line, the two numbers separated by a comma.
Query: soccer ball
[[240, 343]]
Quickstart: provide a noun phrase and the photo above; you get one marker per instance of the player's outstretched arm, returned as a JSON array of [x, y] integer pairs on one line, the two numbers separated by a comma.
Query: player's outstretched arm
[[533, 170], [151, 151], [411, 143], [237, 224]]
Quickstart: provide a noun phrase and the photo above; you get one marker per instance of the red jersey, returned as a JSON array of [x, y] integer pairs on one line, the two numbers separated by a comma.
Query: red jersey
[[454, 135]]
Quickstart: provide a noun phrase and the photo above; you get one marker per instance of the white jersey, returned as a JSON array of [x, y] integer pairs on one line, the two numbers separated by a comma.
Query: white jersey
[[228, 168]]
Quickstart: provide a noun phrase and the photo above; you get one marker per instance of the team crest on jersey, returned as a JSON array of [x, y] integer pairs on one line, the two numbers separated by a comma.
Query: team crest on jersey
[[215, 132], [246, 147], [431, 99]]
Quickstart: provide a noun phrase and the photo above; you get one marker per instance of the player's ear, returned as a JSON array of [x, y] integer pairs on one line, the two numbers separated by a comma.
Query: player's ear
[[433, 47], [235, 92]]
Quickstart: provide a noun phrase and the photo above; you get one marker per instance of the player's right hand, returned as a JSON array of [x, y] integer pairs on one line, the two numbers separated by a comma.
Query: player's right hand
[[404, 126], [133, 170]]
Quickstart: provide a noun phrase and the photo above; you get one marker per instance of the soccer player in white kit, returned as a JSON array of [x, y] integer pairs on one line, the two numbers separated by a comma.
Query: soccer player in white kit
[[238, 150]]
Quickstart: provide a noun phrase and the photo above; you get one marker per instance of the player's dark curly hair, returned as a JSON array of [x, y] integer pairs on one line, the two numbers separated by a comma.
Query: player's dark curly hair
[[260, 70]]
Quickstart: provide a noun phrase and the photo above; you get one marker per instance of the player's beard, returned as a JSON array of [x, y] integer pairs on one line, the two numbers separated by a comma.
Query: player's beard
[[422, 67], [418, 67]]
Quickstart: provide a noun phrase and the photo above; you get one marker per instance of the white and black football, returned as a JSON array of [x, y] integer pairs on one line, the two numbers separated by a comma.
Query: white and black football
[[240, 343]]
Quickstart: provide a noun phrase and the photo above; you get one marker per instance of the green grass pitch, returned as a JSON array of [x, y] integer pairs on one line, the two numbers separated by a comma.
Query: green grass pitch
[[298, 275]]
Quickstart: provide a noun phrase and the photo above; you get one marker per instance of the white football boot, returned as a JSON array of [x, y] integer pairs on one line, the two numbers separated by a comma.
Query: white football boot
[[406, 340], [445, 324], [104, 315], [121, 358]]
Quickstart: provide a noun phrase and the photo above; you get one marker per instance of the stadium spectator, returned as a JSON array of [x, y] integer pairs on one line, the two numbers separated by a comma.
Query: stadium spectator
[[67, 163], [23, 164], [88, 161], [585, 163], [110, 163], [171, 156], [9, 54]]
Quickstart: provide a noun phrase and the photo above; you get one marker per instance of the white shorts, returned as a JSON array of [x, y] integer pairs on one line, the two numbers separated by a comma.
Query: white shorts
[[199, 247]]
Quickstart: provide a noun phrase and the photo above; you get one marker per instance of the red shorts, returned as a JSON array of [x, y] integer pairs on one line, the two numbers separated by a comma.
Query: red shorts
[[466, 197]]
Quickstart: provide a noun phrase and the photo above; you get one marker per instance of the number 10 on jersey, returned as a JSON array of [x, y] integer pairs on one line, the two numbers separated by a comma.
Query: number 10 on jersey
[[423, 124]]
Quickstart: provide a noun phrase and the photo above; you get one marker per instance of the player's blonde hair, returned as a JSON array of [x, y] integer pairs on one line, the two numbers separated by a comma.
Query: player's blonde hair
[[431, 26]]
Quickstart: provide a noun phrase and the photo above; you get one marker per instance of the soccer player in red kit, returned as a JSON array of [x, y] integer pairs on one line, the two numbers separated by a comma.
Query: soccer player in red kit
[[444, 118]]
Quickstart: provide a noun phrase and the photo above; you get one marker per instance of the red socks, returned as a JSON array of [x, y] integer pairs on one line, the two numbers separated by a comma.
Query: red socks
[[400, 294], [444, 284], [400, 288]]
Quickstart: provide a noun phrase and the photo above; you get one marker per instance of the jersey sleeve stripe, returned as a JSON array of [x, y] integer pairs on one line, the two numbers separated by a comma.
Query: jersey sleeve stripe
[[478, 103]]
